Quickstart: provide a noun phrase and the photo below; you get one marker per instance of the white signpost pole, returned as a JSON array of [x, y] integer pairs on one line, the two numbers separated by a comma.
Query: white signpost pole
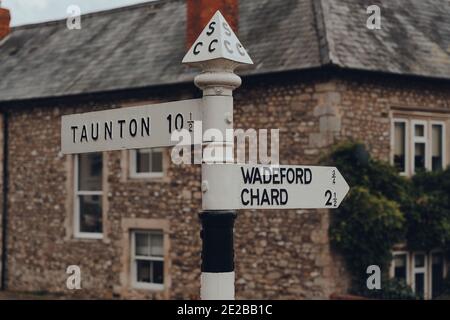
[[218, 52]]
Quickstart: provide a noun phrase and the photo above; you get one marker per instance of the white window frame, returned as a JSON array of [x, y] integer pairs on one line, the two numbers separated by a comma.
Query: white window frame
[[77, 194], [411, 270], [415, 270], [407, 148], [408, 265], [423, 140], [444, 143], [430, 266], [411, 139], [144, 175], [134, 258]]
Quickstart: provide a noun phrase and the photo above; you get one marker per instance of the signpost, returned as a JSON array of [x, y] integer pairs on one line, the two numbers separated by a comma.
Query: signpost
[[128, 128], [225, 187], [272, 187]]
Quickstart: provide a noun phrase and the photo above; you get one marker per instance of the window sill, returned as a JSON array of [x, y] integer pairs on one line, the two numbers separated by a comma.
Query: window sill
[[148, 286], [88, 236], [149, 176]]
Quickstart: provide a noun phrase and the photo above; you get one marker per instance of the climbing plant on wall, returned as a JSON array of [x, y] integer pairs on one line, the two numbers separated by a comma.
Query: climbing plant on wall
[[383, 209]]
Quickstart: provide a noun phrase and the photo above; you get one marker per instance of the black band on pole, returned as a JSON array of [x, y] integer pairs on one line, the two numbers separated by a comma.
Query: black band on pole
[[217, 236]]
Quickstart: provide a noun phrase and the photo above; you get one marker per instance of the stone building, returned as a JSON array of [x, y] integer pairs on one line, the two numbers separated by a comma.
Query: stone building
[[129, 219]]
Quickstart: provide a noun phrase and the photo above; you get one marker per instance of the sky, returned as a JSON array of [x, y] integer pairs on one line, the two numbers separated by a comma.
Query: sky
[[32, 11]]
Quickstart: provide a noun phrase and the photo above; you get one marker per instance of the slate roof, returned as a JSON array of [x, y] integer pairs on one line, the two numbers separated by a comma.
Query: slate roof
[[143, 45]]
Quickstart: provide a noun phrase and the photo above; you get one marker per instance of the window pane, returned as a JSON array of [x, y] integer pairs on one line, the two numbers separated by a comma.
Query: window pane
[[142, 244], [419, 156], [436, 136], [143, 271], [437, 274], [90, 172], [90, 213], [400, 267], [420, 284], [399, 146], [157, 272], [157, 161], [143, 160], [157, 245], [419, 130], [419, 260]]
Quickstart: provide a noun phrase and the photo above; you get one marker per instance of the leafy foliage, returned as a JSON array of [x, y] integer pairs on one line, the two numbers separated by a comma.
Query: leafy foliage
[[383, 209], [390, 289]]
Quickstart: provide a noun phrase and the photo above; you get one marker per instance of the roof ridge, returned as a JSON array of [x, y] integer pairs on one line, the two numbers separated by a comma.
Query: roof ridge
[[326, 43], [321, 30], [149, 3]]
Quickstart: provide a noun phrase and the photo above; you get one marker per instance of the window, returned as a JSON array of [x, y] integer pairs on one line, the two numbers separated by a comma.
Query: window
[[424, 272], [420, 274], [148, 260], [437, 274], [419, 140], [400, 146], [401, 267], [418, 145], [88, 195], [437, 149], [146, 163]]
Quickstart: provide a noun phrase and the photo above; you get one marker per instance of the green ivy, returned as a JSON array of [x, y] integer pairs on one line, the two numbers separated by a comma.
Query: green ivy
[[383, 209]]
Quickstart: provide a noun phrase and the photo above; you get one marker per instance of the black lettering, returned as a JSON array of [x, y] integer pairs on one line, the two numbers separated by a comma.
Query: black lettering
[[308, 176], [254, 196], [74, 128], [274, 194], [283, 197], [276, 176], [246, 175], [145, 126], [244, 191], [196, 51], [290, 176], [267, 175], [256, 175], [283, 174], [265, 198], [133, 127], [121, 123], [210, 48], [84, 134], [211, 28], [298, 175], [94, 136], [108, 130]]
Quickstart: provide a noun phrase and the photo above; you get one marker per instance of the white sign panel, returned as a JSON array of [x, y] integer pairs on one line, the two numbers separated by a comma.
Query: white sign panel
[[232, 186], [128, 128], [216, 41]]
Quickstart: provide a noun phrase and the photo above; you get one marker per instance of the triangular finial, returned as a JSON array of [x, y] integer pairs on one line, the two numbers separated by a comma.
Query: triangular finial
[[217, 41]]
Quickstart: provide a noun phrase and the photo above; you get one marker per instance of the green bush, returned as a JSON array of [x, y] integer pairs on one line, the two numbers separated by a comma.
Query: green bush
[[429, 218], [383, 209], [364, 229], [391, 289]]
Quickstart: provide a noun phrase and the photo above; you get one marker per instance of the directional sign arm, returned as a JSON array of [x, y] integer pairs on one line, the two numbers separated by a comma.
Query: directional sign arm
[[138, 127], [264, 187]]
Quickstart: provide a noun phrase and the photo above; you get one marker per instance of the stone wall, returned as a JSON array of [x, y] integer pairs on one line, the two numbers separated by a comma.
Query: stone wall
[[279, 254]]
